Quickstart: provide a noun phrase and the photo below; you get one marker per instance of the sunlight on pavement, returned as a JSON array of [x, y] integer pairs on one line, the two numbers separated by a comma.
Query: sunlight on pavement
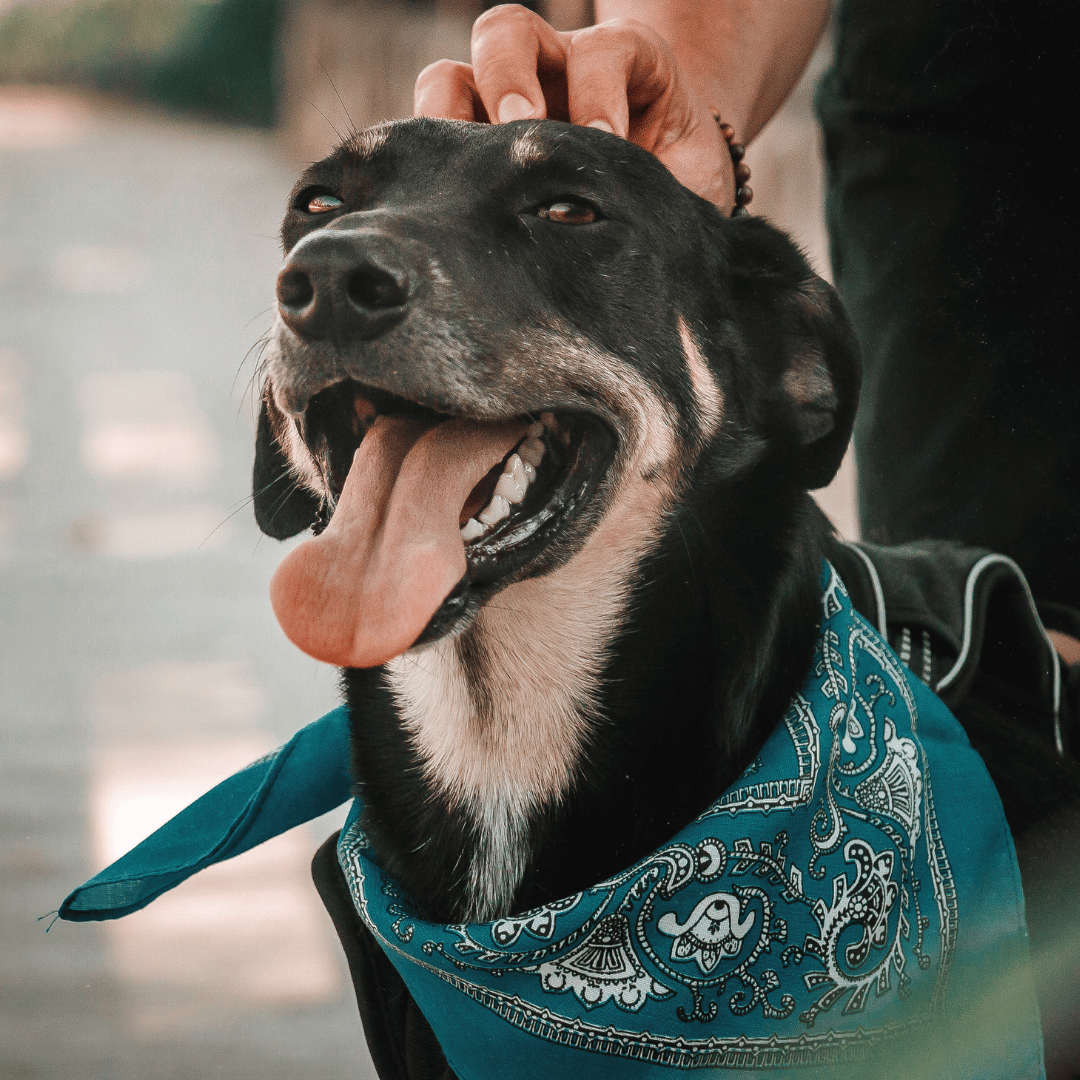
[[37, 118], [14, 439], [248, 931], [146, 425], [148, 534], [138, 788], [132, 277], [166, 451], [99, 269]]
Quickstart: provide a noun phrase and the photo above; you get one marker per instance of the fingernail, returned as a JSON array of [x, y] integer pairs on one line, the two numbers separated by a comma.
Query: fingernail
[[513, 107], [602, 125]]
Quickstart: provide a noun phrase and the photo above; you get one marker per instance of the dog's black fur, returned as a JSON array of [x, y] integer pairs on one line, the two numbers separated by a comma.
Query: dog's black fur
[[721, 614]]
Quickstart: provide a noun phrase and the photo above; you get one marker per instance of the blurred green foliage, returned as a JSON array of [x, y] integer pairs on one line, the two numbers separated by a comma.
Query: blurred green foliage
[[215, 58]]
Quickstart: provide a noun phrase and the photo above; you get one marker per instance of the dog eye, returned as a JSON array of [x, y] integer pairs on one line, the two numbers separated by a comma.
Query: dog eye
[[565, 212], [318, 202]]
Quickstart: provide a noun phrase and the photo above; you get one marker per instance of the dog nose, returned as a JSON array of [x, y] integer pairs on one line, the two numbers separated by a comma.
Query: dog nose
[[343, 285]]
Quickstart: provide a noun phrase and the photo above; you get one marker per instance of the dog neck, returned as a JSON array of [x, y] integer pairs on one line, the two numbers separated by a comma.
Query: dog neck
[[502, 714]]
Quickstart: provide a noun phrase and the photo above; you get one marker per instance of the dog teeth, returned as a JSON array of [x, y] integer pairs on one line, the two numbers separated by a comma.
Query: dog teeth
[[495, 510], [471, 530], [513, 483], [519, 471], [510, 489]]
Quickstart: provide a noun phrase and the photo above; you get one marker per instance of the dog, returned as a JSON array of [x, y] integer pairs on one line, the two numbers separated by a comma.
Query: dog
[[554, 421], [540, 279]]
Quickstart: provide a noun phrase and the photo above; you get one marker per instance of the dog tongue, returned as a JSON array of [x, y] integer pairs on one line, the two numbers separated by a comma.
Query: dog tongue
[[363, 591]]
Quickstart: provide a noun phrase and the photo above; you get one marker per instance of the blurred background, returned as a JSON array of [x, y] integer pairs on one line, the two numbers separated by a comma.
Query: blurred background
[[146, 150]]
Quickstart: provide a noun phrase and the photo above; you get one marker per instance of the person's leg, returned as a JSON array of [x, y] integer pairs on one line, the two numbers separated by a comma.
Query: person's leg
[[955, 235], [954, 230]]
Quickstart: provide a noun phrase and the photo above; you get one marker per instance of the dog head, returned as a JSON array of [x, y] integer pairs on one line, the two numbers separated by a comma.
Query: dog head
[[453, 293]]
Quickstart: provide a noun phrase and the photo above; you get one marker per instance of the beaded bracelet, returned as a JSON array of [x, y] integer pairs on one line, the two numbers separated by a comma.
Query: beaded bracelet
[[743, 192]]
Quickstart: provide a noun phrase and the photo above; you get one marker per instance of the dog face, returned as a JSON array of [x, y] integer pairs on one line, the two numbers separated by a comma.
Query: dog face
[[461, 301]]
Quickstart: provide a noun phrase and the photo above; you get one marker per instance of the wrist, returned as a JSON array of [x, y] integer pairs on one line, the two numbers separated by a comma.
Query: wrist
[[720, 96], [741, 57]]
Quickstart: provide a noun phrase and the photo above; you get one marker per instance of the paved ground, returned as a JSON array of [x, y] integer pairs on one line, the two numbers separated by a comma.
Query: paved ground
[[140, 658], [139, 655]]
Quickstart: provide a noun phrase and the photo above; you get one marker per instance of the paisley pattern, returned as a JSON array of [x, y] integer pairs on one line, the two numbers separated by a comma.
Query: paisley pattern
[[809, 913], [713, 930]]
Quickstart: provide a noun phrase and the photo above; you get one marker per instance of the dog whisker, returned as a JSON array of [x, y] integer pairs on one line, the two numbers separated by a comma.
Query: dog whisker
[[242, 505], [341, 100], [330, 123], [414, 660], [260, 314], [259, 346]]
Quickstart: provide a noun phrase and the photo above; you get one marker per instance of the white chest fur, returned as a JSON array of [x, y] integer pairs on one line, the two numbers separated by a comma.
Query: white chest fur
[[500, 717]]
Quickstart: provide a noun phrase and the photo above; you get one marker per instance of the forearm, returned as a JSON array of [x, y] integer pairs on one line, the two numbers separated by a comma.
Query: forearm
[[742, 57]]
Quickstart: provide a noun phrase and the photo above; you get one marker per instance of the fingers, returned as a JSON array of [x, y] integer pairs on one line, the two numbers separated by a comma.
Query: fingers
[[519, 62], [447, 88], [622, 76], [613, 69]]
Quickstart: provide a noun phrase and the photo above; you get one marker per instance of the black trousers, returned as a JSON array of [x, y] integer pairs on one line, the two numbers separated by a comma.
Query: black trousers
[[952, 204]]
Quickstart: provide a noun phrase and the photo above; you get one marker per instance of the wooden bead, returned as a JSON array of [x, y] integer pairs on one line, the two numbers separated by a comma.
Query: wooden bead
[[743, 192]]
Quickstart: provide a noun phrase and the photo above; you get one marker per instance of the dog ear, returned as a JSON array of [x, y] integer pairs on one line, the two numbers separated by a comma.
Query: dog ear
[[822, 380], [800, 339], [283, 507]]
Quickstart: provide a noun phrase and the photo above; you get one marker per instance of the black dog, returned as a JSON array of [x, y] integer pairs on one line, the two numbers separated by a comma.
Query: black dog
[[620, 644], [660, 386]]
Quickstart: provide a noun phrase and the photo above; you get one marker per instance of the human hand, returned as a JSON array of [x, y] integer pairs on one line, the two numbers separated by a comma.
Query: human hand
[[620, 76]]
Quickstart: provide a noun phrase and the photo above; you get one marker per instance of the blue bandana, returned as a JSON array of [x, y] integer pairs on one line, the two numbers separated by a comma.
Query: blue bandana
[[833, 899], [834, 902]]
